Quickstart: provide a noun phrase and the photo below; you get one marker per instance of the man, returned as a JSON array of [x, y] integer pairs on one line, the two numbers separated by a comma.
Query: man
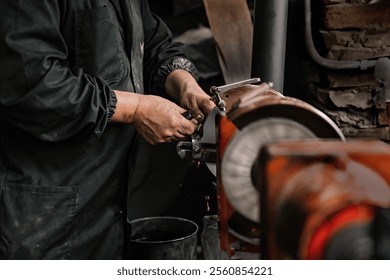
[[72, 79]]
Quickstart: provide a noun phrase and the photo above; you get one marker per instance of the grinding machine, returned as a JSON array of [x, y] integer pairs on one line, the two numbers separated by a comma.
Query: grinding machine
[[289, 185]]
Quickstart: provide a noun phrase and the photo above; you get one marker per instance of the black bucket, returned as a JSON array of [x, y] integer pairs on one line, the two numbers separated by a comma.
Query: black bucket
[[163, 238]]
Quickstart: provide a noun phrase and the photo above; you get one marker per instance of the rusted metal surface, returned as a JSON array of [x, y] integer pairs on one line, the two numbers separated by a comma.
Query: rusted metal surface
[[308, 185], [270, 103]]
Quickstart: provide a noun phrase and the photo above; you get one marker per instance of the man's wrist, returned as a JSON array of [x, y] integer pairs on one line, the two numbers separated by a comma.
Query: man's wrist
[[126, 107], [112, 104]]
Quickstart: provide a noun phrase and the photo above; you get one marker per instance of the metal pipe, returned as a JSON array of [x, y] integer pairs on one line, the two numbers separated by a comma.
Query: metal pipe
[[382, 74], [269, 41], [328, 63]]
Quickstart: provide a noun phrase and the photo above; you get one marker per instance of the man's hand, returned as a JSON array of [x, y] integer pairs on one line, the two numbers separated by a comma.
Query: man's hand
[[160, 120], [157, 119], [182, 86]]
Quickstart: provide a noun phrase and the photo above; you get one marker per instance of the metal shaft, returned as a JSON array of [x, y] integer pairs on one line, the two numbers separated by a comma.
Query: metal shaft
[[269, 41]]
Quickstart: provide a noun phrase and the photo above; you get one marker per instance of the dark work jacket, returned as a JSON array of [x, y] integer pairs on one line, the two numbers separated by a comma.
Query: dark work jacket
[[63, 167]]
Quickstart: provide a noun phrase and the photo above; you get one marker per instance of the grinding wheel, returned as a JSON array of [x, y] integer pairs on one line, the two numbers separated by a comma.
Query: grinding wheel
[[241, 155]]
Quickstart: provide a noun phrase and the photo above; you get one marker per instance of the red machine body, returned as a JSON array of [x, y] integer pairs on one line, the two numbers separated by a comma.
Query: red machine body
[[317, 194]]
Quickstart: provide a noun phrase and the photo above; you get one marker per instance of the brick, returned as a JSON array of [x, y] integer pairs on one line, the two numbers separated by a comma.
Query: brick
[[358, 16]]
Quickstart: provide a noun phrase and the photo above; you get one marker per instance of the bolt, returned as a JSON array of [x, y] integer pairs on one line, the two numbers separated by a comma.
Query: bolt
[[196, 150]]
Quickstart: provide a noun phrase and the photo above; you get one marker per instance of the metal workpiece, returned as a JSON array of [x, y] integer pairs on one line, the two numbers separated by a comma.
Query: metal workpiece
[[219, 89], [201, 147], [220, 99]]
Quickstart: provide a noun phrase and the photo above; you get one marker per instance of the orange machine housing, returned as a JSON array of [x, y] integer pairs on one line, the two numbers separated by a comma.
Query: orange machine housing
[[313, 190]]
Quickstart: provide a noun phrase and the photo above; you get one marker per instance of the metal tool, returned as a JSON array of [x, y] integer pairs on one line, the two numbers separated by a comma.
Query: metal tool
[[201, 148]]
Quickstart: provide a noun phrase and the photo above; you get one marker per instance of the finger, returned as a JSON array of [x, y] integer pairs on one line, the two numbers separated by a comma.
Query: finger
[[178, 136], [194, 121], [188, 127], [207, 105], [198, 116], [171, 139]]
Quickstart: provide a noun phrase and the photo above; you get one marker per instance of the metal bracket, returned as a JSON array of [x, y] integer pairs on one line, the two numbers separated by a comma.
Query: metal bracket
[[215, 91]]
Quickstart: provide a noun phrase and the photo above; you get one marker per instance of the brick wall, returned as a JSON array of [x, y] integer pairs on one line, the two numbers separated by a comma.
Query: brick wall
[[353, 30]]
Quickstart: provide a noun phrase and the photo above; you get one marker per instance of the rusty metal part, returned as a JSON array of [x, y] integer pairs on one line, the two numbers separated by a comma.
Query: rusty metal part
[[274, 104], [305, 184], [218, 91], [223, 88], [234, 96]]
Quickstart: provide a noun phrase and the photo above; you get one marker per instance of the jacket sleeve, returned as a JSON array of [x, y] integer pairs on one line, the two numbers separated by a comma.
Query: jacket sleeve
[[162, 55], [38, 93]]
